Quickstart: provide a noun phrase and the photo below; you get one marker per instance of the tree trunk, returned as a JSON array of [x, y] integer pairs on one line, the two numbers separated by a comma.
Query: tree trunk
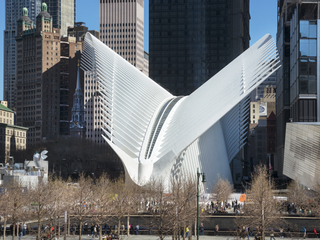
[[118, 227], [58, 226], [100, 231], [13, 229], [128, 220], [184, 231], [80, 224], [195, 228], [262, 223], [39, 228], [4, 227], [68, 226]]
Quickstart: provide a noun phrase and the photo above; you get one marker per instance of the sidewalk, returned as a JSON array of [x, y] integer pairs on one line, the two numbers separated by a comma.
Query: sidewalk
[[146, 237]]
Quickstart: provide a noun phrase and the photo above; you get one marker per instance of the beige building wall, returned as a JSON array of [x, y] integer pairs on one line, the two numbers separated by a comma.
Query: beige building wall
[[254, 112], [269, 98], [122, 29], [12, 137]]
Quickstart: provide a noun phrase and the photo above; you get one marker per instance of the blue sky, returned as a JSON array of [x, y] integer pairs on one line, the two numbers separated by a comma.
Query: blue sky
[[263, 21]]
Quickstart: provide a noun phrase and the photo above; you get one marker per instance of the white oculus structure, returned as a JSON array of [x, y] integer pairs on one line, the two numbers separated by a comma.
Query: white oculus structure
[[157, 134]]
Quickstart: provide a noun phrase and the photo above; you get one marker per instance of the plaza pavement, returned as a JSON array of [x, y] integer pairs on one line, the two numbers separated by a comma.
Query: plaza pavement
[[148, 237]]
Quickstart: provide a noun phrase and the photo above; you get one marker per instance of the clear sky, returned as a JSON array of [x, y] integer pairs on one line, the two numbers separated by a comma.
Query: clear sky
[[263, 21]]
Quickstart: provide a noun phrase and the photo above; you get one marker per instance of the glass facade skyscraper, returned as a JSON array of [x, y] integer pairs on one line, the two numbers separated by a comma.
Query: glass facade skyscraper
[[13, 13], [63, 13], [298, 81], [190, 41]]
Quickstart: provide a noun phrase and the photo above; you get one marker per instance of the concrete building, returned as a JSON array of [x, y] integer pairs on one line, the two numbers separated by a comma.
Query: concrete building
[[46, 78], [28, 173], [12, 137], [262, 129], [298, 81], [262, 108], [258, 93], [63, 14], [301, 153], [122, 29], [190, 41], [13, 10]]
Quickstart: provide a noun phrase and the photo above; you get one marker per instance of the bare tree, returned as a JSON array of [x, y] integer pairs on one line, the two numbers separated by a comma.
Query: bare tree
[[262, 208], [81, 200], [102, 200], [41, 196], [297, 194], [161, 209], [183, 197], [16, 204], [222, 190], [125, 202]]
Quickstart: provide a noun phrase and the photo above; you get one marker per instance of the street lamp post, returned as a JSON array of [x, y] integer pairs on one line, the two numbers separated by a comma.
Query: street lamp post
[[203, 180]]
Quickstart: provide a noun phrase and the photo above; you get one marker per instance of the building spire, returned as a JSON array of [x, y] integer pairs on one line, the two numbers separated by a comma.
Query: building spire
[[78, 77]]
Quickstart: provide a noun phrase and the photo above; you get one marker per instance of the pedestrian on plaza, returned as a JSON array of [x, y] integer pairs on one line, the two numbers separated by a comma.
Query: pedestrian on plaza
[[150, 228], [85, 228], [201, 229], [247, 231], [137, 229], [272, 235], [217, 230], [304, 230], [288, 230], [131, 229], [20, 231], [24, 229], [315, 233], [281, 232], [92, 229], [95, 231], [187, 231]]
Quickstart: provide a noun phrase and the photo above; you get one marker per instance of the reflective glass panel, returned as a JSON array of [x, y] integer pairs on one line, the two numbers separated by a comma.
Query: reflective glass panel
[[303, 85], [312, 66], [304, 29], [312, 29], [304, 66], [304, 47], [312, 48], [312, 85]]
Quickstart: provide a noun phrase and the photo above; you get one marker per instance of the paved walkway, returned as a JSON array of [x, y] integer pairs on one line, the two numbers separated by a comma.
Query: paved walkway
[[148, 237]]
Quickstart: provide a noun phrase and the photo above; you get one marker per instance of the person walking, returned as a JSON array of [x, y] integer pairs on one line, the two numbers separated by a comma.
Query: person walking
[[272, 235], [187, 231], [315, 233], [92, 229], [150, 228], [201, 229], [217, 230], [137, 229], [95, 231], [20, 231], [304, 230], [24, 229]]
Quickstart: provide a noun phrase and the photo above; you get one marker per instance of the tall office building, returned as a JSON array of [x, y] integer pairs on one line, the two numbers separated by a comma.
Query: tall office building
[[46, 77], [13, 13], [63, 14], [298, 81], [192, 40], [122, 29]]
